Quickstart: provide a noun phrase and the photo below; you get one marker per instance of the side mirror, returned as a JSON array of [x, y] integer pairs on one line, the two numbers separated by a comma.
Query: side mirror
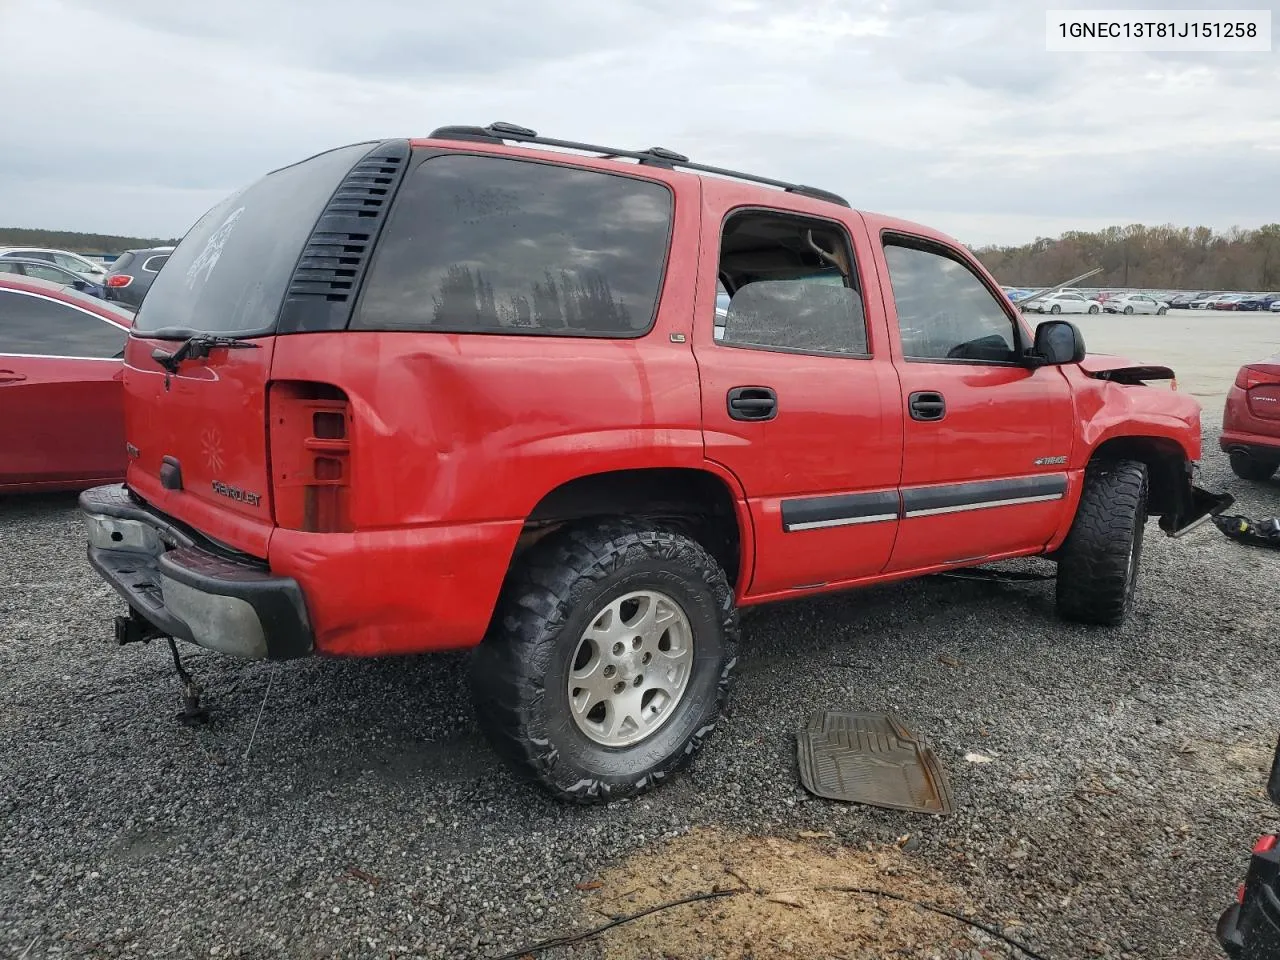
[[1057, 342]]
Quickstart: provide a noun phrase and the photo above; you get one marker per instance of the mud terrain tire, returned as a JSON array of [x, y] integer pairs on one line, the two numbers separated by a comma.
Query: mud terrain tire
[[1099, 561], [554, 596]]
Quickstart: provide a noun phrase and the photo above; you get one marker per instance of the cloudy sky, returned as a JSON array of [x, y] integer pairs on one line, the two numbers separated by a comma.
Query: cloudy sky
[[134, 117]]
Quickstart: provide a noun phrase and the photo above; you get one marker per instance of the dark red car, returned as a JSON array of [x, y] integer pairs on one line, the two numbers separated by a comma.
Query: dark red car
[[61, 419], [1251, 420]]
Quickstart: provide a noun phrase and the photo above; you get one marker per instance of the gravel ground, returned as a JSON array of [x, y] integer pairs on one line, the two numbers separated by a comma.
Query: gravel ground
[[370, 820]]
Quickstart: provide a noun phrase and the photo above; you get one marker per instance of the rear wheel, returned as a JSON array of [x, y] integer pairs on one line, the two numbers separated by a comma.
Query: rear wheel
[[1251, 468], [608, 661], [1098, 562]]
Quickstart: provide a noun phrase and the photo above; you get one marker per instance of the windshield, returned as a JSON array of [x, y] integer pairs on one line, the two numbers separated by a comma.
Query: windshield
[[228, 275]]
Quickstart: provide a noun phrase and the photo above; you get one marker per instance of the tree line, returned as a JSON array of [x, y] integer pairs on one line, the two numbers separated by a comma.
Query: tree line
[[77, 242], [1163, 257]]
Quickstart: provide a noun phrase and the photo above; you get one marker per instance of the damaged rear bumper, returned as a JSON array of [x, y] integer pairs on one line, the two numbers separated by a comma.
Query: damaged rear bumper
[[178, 587]]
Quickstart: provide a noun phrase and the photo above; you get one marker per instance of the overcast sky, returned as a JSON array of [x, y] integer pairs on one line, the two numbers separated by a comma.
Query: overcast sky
[[134, 117]]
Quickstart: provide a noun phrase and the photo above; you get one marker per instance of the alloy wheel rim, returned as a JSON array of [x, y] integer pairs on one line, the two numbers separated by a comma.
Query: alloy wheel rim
[[630, 669]]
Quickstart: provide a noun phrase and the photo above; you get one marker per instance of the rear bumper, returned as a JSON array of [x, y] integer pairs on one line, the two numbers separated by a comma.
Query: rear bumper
[[186, 590]]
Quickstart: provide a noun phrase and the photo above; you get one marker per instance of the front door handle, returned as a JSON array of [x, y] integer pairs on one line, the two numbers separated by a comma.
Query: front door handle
[[927, 405], [10, 376], [753, 403]]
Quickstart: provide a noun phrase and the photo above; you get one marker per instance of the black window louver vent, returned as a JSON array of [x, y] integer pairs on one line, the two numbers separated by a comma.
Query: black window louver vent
[[334, 260]]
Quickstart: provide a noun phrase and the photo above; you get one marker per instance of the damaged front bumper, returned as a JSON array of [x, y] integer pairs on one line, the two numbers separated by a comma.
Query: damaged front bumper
[[1198, 506]]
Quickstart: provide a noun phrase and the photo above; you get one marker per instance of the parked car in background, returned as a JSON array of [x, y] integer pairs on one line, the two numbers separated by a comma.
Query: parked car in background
[[1183, 301], [1257, 301], [83, 266], [1205, 303], [1229, 302], [61, 418], [1251, 420], [1275, 306], [1135, 303], [130, 276], [1064, 301], [43, 270]]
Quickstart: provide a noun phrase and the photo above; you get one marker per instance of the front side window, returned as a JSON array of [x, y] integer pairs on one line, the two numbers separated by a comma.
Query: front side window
[[37, 325], [495, 245], [74, 264], [945, 312], [792, 286]]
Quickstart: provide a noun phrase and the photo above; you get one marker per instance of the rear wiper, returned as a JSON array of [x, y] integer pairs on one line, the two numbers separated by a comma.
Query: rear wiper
[[195, 347]]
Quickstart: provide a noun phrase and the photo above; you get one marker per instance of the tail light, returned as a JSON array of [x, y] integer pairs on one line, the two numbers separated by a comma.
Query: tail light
[[1265, 844], [1257, 375], [310, 456], [118, 280]]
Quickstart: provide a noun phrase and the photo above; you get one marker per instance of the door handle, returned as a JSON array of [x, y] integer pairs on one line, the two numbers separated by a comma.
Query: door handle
[[9, 376], [927, 405], [753, 403]]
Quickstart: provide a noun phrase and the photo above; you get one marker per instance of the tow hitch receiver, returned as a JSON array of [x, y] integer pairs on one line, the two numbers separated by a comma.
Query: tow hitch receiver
[[138, 629]]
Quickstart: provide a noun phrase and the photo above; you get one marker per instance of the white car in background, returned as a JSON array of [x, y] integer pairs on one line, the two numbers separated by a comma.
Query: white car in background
[[1135, 303], [1064, 301], [82, 266]]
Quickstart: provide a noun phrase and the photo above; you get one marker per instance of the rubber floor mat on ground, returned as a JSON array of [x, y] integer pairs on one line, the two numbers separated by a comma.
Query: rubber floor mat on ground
[[871, 758]]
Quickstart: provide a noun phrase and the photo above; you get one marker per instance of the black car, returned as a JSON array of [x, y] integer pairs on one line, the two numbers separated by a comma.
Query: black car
[[1261, 301], [1183, 300], [1250, 928], [129, 277]]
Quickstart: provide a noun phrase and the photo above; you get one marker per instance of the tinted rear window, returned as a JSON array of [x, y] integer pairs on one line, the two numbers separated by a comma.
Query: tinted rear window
[[121, 263], [493, 245], [230, 272]]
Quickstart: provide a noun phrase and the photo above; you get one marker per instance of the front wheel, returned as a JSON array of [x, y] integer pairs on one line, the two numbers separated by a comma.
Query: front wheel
[[1093, 309], [1098, 562], [1055, 309], [1128, 310], [1162, 311], [609, 659]]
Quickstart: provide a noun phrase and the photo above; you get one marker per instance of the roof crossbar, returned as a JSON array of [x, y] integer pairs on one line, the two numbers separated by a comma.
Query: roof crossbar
[[654, 156]]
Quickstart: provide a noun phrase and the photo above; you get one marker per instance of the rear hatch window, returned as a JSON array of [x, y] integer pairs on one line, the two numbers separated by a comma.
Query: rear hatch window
[[229, 274]]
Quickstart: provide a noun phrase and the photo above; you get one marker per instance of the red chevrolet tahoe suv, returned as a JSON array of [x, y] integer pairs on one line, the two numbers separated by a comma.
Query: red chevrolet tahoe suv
[[474, 390]]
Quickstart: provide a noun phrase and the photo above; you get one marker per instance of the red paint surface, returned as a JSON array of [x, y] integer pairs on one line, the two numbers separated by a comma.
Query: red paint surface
[[453, 440], [61, 425]]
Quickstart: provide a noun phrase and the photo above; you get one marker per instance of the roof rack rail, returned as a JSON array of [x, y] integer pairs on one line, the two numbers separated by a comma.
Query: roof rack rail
[[654, 156]]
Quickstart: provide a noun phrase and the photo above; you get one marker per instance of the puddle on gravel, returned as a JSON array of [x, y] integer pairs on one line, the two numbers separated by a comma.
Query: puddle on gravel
[[785, 914]]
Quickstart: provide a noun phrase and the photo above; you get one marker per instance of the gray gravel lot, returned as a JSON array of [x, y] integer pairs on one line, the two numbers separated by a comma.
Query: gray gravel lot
[[1115, 820]]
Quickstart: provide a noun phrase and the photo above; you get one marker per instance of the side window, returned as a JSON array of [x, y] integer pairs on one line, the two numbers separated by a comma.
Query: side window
[[792, 286], [153, 264], [50, 273], [34, 325], [69, 263], [495, 245], [944, 311]]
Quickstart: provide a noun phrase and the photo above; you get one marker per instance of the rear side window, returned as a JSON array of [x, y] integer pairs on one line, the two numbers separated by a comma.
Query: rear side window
[[231, 270], [36, 325], [493, 245], [153, 264]]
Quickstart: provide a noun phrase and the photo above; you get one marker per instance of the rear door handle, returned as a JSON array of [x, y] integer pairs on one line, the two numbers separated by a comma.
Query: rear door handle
[[753, 403], [927, 405], [10, 376]]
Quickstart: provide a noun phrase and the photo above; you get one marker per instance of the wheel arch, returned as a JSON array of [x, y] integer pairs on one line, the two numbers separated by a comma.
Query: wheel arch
[[1167, 467], [704, 504]]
